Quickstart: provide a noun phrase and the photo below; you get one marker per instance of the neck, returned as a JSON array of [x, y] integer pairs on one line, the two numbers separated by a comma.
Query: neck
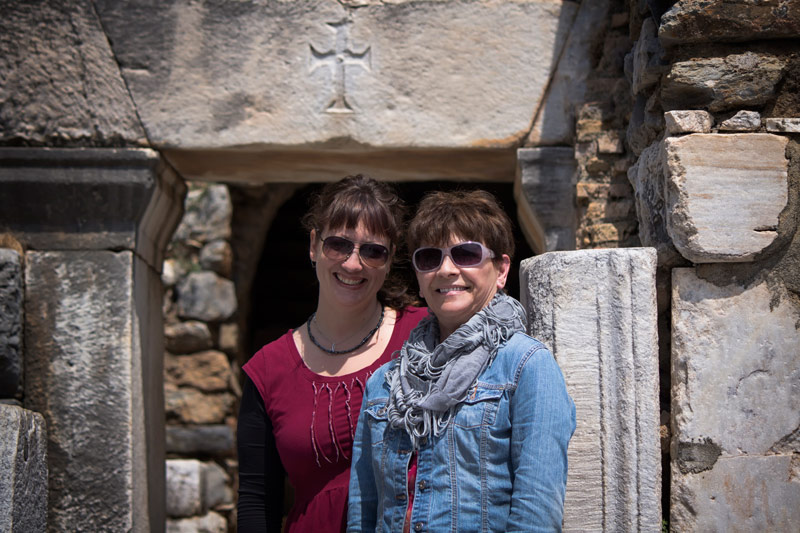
[[343, 323]]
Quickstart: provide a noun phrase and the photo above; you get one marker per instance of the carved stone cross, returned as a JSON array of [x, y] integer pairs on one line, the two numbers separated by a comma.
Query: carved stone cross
[[339, 57]]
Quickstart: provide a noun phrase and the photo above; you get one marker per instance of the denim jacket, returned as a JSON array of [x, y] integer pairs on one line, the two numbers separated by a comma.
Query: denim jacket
[[500, 464]]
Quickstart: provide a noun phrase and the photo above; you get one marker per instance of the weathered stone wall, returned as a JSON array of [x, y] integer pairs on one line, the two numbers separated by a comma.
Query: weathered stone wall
[[716, 175]]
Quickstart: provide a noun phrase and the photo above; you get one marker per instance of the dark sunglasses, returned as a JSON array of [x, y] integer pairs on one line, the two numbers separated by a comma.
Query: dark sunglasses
[[464, 254], [339, 249]]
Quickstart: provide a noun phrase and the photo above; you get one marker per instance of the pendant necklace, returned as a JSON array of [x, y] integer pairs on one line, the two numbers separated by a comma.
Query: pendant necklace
[[333, 350]]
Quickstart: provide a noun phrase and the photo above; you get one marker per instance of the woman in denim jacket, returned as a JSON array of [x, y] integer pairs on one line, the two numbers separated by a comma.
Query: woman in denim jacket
[[467, 429]]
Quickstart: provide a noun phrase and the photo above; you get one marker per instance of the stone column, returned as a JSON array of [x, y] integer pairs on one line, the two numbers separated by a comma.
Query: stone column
[[94, 223], [596, 310]]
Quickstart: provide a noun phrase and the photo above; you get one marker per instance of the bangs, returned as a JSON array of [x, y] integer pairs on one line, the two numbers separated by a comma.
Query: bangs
[[347, 211]]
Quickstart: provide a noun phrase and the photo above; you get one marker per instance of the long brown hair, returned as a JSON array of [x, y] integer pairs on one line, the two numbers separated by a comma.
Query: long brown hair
[[360, 198]]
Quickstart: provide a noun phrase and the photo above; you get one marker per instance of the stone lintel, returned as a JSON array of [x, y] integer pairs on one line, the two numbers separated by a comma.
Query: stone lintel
[[90, 199], [545, 190], [23, 463], [596, 310]]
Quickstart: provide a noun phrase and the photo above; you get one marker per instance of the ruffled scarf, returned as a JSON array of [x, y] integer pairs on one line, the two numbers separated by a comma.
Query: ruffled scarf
[[431, 380]]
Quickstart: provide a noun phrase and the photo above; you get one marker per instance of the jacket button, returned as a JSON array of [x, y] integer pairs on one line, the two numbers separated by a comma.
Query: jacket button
[[401, 496], [418, 526], [422, 485], [382, 411]]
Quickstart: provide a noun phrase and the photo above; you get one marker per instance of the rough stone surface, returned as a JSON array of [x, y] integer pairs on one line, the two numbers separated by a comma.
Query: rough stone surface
[[693, 21], [320, 71], [217, 490], [742, 121], [187, 337], [79, 375], [208, 523], [10, 323], [61, 83], [647, 176], [217, 256], [201, 440], [734, 346], [603, 335], [23, 463], [713, 211], [688, 121], [206, 296], [646, 123], [647, 61], [207, 216], [545, 184], [208, 371], [749, 344], [185, 487], [229, 339], [721, 83], [190, 406], [554, 122], [784, 125]]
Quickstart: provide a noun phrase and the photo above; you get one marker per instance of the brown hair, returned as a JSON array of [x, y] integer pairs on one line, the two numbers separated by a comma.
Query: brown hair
[[360, 198], [471, 215]]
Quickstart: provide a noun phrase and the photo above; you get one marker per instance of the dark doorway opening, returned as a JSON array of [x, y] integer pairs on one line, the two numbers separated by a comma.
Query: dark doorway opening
[[284, 292]]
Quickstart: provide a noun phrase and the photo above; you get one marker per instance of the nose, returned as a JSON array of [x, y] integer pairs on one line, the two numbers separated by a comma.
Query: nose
[[353, 261], [447, 267]]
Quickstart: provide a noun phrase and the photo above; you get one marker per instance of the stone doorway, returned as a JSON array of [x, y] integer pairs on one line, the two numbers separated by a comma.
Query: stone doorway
[[284, 288]]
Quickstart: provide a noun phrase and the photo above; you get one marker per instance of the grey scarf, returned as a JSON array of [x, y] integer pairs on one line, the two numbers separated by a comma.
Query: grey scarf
[[430, 381]]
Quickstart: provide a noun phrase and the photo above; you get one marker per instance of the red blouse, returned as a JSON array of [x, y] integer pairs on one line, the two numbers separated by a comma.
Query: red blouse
[[313, 419]]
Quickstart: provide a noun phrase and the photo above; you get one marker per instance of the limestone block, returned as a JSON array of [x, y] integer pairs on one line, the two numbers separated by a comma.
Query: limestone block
[[749, 344], [742, 121], [90, 199], [603, 335], [217, 256], [783, 125], [735, 408], [272, 73], [646, 124], [545, 184], [185, 487], [647, 178], [206, 296], [190, 406], [187, 337], [61, 82], [217, 489], [648, 62], [208, 371], [208, 523], [554, 123], [720, 83], [688, 121], [200, 440], [101, 398], [713, 211], [10, 323], [229, 339], [207, 216], [23, 463], [695, 21]]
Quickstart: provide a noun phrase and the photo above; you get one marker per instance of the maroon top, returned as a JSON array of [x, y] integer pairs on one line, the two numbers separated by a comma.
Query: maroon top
[[313, 419]]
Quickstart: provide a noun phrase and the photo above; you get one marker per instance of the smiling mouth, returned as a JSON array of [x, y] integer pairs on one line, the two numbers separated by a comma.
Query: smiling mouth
[[447, 290], [350, 282]]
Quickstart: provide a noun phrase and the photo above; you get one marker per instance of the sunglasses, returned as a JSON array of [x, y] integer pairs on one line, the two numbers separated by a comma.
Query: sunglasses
[[339, 249], [465, 254]]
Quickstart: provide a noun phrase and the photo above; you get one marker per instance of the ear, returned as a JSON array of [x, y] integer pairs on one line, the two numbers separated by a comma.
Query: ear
[[312, 246], [502, 271]]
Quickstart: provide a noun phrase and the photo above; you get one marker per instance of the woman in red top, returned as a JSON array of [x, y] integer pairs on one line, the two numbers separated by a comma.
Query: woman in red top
[[302, 393]]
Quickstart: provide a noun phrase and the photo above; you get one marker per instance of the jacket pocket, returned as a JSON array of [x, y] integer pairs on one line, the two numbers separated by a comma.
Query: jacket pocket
[[377, 421], [479, 408]]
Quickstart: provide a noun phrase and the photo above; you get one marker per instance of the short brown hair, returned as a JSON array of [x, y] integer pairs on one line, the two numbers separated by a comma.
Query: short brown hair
[[360, 198], [471, 215]]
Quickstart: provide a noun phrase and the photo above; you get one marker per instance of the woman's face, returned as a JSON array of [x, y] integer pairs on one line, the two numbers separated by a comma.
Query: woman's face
[[348, 282], [455, 294]]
